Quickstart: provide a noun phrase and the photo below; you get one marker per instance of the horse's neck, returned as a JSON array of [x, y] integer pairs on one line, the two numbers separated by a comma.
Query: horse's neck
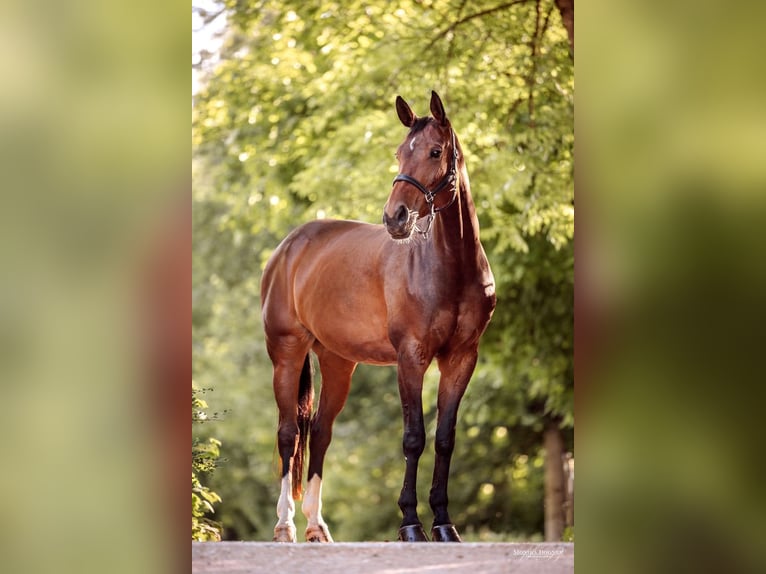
[[456, 228]]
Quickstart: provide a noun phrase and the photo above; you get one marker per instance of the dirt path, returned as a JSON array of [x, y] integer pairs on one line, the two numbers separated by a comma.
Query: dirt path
[[381, 558]]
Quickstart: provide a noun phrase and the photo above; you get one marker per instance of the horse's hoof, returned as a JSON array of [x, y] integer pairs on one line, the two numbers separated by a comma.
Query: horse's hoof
[[318, 533], [284, 533], [445, 533], [412, 533]]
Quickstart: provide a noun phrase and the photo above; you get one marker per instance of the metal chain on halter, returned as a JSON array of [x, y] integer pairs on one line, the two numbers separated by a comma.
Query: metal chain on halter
[[424, 232]]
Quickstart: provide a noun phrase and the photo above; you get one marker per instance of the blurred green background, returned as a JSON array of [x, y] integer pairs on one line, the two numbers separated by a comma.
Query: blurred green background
[[671, 277], [293, 120], [670, 271]]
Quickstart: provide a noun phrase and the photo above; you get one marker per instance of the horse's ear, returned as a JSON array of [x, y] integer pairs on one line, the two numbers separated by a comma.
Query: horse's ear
[[406, 115], [437, 109]]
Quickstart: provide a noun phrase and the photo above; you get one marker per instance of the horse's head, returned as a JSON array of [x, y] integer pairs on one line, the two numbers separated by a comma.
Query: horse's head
[[427, 166]]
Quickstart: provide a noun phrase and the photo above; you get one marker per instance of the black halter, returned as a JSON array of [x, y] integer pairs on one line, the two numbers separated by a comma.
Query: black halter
[[449, 181]]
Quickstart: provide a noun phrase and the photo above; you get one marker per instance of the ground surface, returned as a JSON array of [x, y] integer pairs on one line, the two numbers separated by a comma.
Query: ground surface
[[381, 558]]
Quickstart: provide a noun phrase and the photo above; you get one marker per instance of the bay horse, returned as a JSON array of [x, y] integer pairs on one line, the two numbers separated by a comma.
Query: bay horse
[[416, 288]]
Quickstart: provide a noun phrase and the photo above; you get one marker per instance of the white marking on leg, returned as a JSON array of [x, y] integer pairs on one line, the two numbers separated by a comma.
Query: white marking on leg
[[285, 527], [312, 501], [312, 510]]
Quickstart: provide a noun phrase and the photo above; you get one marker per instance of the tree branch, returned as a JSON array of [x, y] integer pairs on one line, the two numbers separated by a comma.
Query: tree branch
[[533, 69], [207, 17], [461, 21]]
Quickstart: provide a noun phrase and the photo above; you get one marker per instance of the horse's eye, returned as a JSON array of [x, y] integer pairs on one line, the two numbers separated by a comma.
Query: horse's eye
[[436, 152]]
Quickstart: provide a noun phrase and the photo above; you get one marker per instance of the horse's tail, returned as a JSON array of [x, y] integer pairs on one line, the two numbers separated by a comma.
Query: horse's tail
[[305, 406]]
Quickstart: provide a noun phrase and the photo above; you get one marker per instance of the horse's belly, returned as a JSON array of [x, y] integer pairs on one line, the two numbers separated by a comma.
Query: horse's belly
[[356, 337], [373, 352], [353, 331]]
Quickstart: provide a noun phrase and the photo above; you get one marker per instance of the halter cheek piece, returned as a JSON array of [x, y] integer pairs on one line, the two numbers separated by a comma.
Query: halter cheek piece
[[449, 181]]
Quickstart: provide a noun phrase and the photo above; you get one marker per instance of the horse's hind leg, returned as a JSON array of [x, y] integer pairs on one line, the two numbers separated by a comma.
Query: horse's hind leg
[[336, 382], [288, 355]]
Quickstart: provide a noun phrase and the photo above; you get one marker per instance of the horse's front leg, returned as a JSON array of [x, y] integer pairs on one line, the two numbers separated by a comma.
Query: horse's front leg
[[412, 365], [456, 371]]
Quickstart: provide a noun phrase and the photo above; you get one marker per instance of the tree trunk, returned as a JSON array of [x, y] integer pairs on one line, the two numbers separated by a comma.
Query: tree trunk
[[569, 477], [566, 9], [555, 483]]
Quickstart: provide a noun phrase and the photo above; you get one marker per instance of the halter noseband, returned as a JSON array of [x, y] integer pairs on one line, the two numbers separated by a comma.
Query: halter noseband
[[448, 181]]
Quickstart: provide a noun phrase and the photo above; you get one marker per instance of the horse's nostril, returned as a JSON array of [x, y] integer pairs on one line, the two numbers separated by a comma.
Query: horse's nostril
[[398, 221], [401, 215]]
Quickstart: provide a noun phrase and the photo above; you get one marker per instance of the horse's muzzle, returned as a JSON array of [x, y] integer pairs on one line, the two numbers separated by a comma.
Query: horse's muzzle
[[399, 226]]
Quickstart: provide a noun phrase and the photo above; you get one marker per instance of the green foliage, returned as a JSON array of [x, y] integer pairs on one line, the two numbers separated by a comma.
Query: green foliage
[[297, 122], [533, 347], [204, 457]]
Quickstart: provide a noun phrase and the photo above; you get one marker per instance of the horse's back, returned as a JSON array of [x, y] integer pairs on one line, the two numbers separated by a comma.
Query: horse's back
[[320, 239]]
